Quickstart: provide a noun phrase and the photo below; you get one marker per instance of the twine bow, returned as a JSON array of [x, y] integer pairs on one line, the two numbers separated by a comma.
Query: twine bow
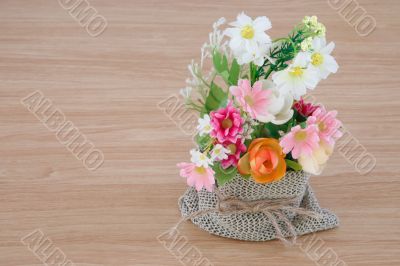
[[273, 209]]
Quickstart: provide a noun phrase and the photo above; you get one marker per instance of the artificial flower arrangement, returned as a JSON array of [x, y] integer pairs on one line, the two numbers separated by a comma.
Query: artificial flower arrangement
[[255, 129]]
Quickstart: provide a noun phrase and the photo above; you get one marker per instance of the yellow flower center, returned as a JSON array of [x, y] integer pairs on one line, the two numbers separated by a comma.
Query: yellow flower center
[[300, 136], [296, 72], [247, 32], [317, 59], [200, 170], [249, 100], [227, 123], [202, 157], [321, 126], [232, 148]]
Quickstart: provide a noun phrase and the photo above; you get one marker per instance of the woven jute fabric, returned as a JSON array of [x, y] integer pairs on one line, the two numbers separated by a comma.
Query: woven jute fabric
[[256, 226]]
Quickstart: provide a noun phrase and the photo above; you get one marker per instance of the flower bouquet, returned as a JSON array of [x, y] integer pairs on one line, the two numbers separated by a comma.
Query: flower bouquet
[[257, 139]]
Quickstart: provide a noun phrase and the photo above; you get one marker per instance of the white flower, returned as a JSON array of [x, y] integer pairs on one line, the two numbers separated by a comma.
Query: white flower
[[247, 131], [216, 41], [219, 153], [316, 27], [316, 162], [310, 22], [320, 59], [257, 56], [204, 127], [306, 44], [186, 93], [280, 106], [200, 159], [195, 81], [248, 125], [216, 36], [320, 30], [249, 42], [296, 78]]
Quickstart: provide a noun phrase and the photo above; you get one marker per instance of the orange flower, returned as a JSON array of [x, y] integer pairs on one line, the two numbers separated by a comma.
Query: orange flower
[[264, 161]]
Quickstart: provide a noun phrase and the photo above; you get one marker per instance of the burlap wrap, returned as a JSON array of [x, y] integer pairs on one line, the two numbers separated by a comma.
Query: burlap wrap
[[256, 226]]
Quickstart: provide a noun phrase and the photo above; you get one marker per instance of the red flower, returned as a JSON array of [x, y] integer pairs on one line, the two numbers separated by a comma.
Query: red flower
[[305, 109]]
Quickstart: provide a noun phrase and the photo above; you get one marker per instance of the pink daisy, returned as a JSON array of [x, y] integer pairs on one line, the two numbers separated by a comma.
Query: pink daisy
[[300, 141], [227, 124], [235, 148], [305, 109], [197, 177], [254, 100], [327, 124]]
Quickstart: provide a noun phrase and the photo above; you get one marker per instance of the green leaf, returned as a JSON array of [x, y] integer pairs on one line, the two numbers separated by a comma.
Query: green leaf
[[221, 65], [247, 177], [220, 62], [291, 123], [292, 164], [234, 73], [253, 71], [297, 116], [225, 76], [225, 64], [203, 141], [272, 130], [247, 142], [217, 61], [224, 175], [216, 98]]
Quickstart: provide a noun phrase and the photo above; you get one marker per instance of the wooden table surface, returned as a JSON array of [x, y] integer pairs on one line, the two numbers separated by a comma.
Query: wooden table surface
[[109, 87]]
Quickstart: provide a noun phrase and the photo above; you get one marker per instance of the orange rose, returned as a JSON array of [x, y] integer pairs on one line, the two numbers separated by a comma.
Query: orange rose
[[264, 161]]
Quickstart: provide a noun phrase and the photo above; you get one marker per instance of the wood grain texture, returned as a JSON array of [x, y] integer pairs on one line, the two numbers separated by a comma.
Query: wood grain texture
[[109, 87]]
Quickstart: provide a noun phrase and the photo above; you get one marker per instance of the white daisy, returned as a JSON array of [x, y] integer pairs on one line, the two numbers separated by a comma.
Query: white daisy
[[204, 127], [297, 78], [257, 56], [219, 153], [200, 159], [320, 59], [249, 42]]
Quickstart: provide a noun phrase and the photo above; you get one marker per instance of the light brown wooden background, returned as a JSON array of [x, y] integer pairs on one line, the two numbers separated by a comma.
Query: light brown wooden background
[[109, 88]]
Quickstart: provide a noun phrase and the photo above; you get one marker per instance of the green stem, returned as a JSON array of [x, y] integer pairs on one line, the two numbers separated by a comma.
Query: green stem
[[208, 147], [284, 52], [194, 106], [268, 73], [205, 82], [251, 73], [293, 45]]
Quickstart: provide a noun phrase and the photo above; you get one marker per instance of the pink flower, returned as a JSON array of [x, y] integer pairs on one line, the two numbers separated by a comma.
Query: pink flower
[[327, 124], [197, 177], [300, 141], [235, 148], [227, 124], [254, 100], [305, 109]]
